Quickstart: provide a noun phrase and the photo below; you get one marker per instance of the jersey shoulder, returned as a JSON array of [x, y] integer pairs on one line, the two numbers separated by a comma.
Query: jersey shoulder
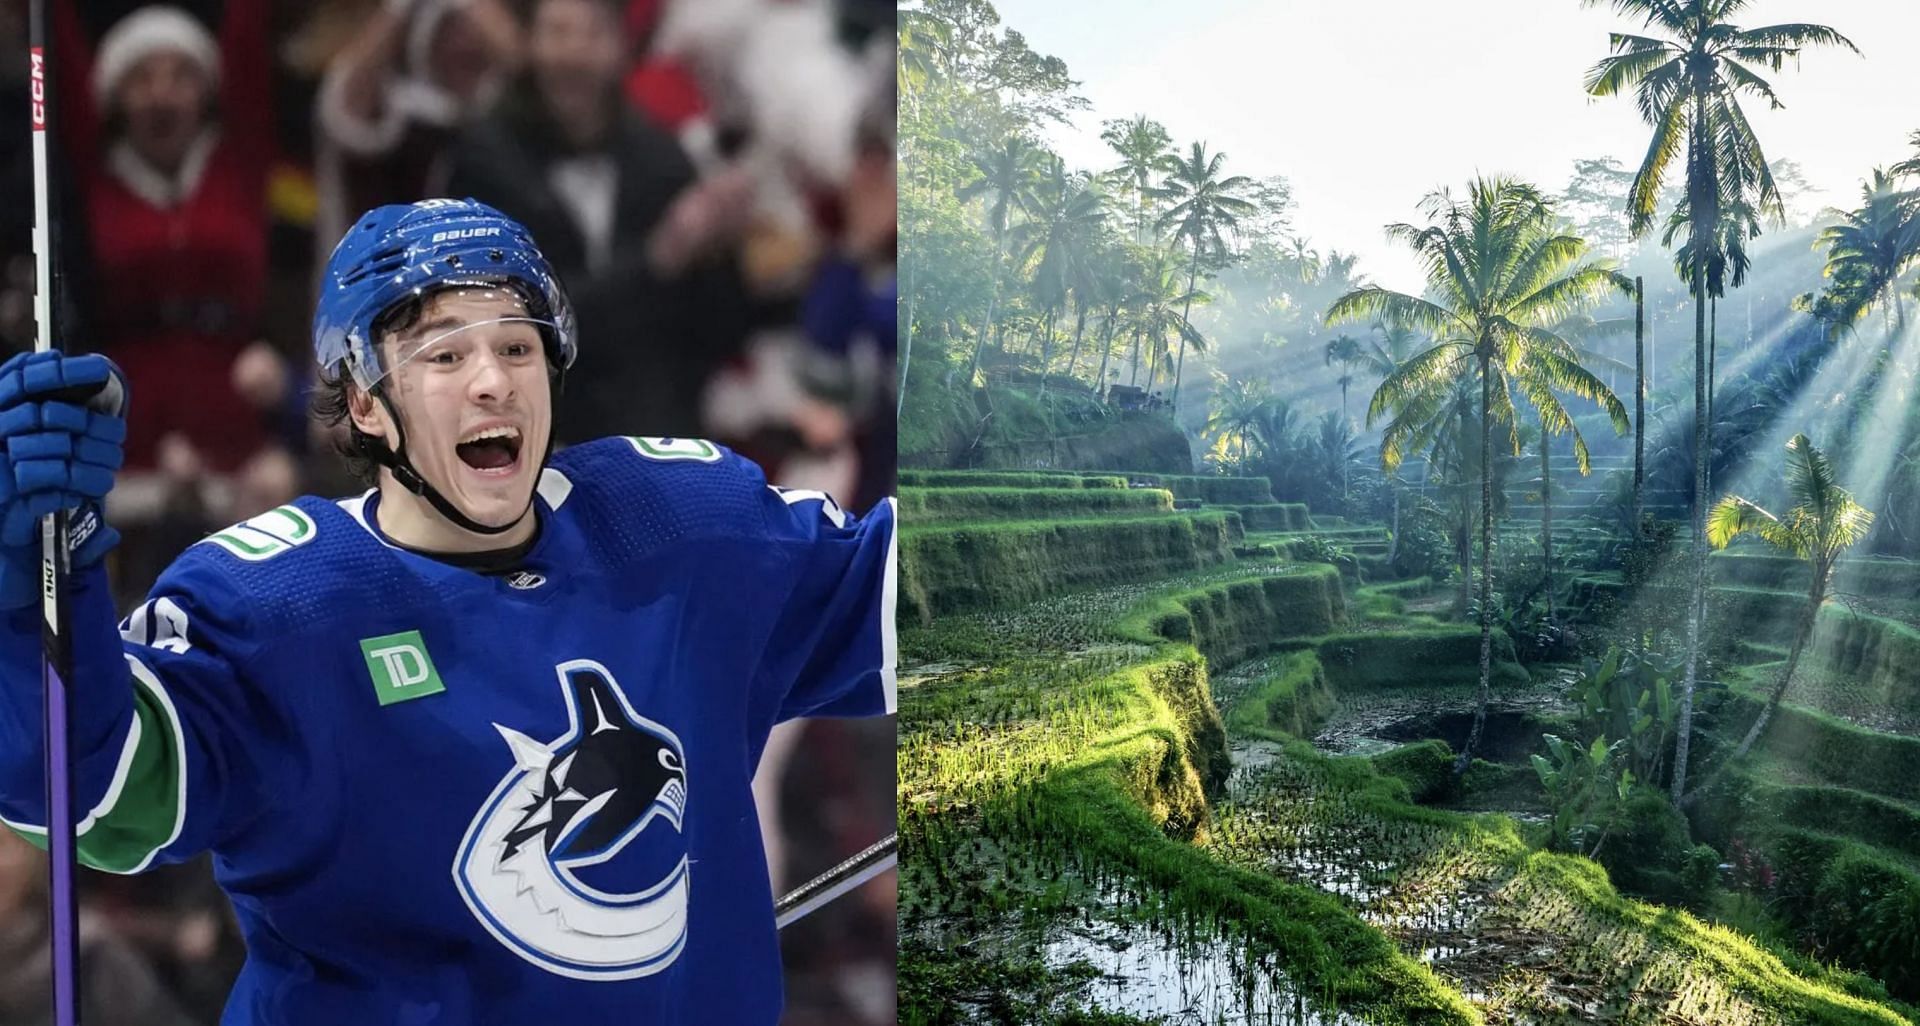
[[652, 492], [294, 565]]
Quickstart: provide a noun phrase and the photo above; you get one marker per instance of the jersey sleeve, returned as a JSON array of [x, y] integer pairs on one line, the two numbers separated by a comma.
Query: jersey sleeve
[[832, 648], [168, 739]]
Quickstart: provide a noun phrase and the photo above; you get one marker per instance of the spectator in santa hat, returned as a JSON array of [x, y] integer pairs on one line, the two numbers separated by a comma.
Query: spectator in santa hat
[[664, 89], [170, 129]]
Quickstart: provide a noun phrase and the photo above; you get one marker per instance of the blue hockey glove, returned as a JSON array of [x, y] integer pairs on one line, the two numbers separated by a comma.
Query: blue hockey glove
[[62, 422]]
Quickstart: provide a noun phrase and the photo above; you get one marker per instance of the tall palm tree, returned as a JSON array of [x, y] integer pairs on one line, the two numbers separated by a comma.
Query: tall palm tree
[[1115, 269], [1639, 403], [1206, 207], [1160, 307], [1498, 274], [1090, 281], [1145, 150], [1688, 82], [1344, 350], [1870, 253], [1823, 523], [1725, 255], [1004, 178], [1065, 218]]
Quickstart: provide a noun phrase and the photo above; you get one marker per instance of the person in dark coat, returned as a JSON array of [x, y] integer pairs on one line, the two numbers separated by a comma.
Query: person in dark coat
[[562, 153]]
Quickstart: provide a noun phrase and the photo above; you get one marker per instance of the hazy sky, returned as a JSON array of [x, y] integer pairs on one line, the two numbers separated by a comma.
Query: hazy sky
[[1367, 106]]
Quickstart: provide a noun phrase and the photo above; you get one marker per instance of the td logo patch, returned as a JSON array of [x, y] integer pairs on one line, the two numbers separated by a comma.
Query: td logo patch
[[576, 862], [400, 667]]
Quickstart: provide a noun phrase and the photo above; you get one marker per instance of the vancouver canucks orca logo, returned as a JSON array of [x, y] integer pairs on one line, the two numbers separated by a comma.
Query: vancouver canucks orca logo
[[597, 809]]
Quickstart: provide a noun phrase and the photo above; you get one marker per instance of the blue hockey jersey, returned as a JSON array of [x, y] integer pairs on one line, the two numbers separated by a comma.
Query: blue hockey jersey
[[438, 796]]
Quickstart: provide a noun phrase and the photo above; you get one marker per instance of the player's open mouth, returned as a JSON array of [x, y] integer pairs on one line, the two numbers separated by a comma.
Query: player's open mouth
[[494, 450]]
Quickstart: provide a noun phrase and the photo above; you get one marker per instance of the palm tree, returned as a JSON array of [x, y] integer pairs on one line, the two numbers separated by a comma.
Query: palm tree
[[1205, 208], [1639, 403], [1336, 446], [1870, 252], [1145, 150], [1688, 86], [1345, 351], [1727, 262], [924, 40], [1305, 260], [1274, 427], [1114, 272], [1066, 217], [1498, 273], [1160, 307], [1823, 523], [1379, 357], [1238, 405], [1911, 165], [1092, 284], [1005, 178]]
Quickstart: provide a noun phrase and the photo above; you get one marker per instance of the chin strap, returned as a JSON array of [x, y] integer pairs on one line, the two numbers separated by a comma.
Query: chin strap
[[394, 459]]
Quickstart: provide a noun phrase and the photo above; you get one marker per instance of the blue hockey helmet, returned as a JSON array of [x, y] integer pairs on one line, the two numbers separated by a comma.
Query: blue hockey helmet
[[403, 251]]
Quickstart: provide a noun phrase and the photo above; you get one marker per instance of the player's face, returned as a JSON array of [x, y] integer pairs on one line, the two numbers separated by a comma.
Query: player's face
[[163, 100], [474, 398]]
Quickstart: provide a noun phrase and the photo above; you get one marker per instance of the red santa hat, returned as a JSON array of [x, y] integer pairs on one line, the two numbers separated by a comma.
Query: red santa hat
[[153, 29]]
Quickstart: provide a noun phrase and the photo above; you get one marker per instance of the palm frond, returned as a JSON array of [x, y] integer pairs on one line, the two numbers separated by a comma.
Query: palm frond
[[1669, 136], [1734, 516], [1373, 302], [1794, 36]]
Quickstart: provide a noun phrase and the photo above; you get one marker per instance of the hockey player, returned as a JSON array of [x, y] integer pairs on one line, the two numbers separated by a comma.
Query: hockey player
[[475, 746]]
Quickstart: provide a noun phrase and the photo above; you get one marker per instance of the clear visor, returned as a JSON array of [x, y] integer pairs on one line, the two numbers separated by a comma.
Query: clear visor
[[454, 325]]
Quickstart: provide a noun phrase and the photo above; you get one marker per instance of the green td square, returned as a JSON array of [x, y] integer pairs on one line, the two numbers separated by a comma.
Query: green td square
[[401, 668]]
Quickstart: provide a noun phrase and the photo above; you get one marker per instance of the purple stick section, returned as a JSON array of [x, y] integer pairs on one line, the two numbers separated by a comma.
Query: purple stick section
[[60, 843]]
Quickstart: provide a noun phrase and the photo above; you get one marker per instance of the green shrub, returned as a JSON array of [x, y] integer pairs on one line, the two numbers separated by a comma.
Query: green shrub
[[1647, 852], [1426, 767], [1866, 913], [1426, 546]]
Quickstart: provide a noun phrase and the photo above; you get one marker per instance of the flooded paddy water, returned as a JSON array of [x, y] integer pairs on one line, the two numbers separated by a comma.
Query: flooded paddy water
[[1525, 954]]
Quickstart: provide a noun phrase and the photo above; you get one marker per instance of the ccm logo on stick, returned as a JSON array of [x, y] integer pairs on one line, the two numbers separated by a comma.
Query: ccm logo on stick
[[463, 233], [39, 91]]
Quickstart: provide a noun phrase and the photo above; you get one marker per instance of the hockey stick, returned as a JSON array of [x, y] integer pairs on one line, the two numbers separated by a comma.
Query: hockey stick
[[837, 881], [57, 664]]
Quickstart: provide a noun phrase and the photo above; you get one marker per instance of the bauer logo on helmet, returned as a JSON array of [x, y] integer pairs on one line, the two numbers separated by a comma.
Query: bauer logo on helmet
[[463, 233]]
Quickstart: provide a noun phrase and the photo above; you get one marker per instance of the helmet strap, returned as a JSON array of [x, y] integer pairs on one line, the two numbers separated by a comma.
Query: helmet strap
[[394, 458]]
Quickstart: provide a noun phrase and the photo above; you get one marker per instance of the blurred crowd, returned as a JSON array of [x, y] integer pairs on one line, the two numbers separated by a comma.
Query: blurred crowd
[[714, 181]]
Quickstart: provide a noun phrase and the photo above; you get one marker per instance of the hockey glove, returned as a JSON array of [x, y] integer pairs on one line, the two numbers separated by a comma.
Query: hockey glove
[[62, 422]]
